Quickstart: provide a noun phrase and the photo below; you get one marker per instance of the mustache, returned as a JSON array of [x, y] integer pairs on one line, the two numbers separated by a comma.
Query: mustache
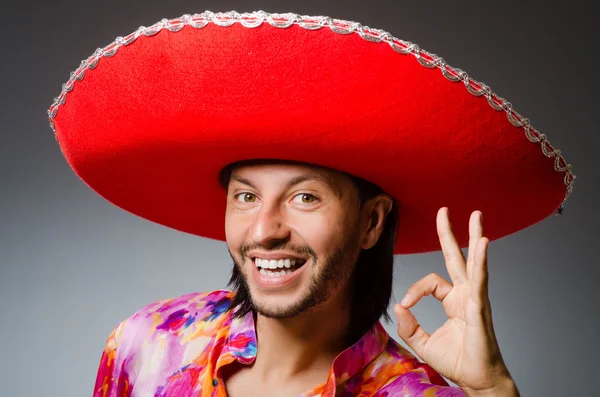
[[298, 249]]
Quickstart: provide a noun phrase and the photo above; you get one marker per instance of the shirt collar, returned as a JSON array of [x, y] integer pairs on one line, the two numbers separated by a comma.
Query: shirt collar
[[242, 345], [242, 338], [357, 356]]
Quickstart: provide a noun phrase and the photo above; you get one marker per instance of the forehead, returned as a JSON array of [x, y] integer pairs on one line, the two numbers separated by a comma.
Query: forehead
[[286, 174]]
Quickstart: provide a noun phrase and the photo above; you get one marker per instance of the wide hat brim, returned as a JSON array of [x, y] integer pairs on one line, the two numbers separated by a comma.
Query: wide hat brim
[[149, 121]]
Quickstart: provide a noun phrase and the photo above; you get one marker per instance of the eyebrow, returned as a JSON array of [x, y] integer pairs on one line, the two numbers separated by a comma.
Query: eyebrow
[[296, 180]]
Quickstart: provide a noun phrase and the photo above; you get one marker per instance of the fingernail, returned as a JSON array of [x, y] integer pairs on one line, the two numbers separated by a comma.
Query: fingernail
[[406, 300]]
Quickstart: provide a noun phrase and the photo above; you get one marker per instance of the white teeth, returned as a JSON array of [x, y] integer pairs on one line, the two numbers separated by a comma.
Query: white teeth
[[282, 264], [274, 274], [274, 264]]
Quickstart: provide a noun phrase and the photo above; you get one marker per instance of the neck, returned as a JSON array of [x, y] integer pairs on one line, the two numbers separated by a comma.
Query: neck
[[305, 345]]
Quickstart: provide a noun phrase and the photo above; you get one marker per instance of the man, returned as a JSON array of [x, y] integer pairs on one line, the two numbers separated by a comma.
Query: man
[[318, 310], [312, 189]]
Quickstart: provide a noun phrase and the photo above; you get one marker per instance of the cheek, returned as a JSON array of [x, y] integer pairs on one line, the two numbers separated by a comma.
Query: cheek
[[321, 231], [234, 232]]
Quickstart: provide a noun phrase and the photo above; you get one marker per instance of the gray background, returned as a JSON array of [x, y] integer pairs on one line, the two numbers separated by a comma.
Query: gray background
[[73, 265]]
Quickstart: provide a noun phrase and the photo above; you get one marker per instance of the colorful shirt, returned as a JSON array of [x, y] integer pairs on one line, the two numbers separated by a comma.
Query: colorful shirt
[[176, 347]]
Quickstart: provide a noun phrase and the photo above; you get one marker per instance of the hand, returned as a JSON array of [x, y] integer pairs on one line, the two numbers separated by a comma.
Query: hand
[[464, 349]]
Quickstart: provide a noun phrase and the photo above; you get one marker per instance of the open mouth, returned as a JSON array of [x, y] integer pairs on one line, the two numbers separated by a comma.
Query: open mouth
[[279, 267]]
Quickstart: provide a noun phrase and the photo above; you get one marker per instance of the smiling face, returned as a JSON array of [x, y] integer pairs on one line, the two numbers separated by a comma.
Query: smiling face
[[294, 233]]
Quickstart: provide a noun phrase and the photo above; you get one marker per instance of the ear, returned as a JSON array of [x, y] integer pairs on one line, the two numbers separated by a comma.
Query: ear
[[375, 212]]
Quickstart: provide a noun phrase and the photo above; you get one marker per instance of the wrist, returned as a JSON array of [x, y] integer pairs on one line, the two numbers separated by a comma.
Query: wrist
[[505, 387]]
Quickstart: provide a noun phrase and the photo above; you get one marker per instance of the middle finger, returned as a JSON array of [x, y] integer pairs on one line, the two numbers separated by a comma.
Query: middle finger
[[475, 234]]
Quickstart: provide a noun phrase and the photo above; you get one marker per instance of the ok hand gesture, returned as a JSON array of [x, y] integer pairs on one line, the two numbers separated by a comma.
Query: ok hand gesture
[[464, 349]]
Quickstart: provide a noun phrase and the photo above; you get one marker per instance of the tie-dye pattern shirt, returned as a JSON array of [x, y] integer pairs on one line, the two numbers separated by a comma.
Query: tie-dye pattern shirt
[[177, 347]]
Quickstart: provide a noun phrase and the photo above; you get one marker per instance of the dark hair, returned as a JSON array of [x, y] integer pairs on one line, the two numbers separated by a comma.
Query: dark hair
[[372, 278]]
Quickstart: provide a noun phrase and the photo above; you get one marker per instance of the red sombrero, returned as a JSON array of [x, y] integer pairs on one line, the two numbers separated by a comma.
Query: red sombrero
[[150, 120]]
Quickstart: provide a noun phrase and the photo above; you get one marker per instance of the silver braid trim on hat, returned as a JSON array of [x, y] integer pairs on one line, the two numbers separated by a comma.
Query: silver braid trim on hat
[[257, 18]]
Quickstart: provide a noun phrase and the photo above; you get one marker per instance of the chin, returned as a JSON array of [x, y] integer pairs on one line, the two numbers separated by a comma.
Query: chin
[[275, 301], [287, 305], [279, 312]]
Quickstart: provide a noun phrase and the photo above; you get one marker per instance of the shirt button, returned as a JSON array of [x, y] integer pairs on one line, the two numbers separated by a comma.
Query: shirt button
[[215, 382]]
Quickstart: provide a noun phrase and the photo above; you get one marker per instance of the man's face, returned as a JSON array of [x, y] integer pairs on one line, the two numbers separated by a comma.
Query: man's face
[[293, 231]]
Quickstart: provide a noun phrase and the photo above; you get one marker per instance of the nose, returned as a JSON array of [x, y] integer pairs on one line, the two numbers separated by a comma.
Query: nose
[[269, 228]]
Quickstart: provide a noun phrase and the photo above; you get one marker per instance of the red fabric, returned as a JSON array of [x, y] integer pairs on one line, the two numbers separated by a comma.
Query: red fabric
[[150, 128]]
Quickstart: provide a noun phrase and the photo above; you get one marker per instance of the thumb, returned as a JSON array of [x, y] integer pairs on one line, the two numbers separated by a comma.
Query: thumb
[[410, 331]]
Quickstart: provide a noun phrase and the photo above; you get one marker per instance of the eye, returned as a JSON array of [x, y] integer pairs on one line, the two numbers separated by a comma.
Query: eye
[[305, 198], [246, 197]]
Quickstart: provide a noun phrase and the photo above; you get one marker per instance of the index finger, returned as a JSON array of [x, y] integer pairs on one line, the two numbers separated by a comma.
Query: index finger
[[455, 261]]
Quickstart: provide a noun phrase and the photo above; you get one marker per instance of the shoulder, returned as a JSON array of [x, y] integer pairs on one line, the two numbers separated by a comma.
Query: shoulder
[[174, 315], [160, 338], [407, 372], [197, 304], [395, 352]]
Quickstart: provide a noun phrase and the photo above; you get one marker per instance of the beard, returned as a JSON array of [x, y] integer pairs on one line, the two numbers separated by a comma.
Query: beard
[[335, 270]]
